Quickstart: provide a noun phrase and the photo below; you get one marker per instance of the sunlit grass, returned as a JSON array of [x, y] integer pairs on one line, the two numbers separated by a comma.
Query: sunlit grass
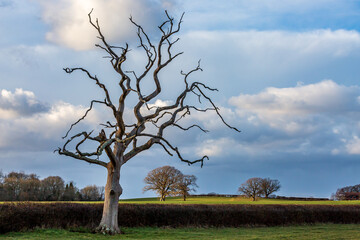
[[322, 231], [233, 200], [211, 200]]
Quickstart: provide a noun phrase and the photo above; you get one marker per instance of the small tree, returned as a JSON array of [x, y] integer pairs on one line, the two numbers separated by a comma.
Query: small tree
[[90, 193], [163, 181], [251, 188], [269, 186], [187, 184], [70, 192]]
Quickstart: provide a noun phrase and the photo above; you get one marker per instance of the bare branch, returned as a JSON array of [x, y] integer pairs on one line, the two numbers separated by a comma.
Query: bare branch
[[84, 116]]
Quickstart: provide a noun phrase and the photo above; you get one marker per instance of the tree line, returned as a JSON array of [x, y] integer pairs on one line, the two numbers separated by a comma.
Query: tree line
[[165, 181], [19, 186]]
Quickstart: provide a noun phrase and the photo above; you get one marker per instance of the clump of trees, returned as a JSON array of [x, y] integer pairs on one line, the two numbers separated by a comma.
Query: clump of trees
[[169, 181], [347, 193], [19, 186], [257, 187]]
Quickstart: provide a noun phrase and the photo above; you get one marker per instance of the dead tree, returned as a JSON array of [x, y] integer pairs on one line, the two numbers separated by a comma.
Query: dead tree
[[120, 140]]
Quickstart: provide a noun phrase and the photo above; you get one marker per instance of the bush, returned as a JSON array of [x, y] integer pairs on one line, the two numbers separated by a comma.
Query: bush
[[21, 216]]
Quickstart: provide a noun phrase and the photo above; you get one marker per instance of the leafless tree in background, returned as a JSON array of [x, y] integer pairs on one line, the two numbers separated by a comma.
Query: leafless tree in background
[[90, 193], [163, 181], [121, 140], [269, 186], [251, 188], [52, 188], [186, 184]]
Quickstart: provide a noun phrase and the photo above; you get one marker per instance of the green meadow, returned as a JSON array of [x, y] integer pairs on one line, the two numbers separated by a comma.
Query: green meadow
[[216, 200], [315, 232], [233, 200]]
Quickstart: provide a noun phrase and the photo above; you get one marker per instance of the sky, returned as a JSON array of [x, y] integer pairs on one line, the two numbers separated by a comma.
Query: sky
[[287, 72]]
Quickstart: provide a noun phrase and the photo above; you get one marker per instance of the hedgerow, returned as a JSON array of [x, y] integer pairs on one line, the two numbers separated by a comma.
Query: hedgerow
[[22, 216]]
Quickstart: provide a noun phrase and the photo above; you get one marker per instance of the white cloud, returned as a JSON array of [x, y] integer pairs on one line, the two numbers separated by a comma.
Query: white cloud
[[299, 108], [70, 25], [353, 146], [217, 147], [27, 123], [19, 103]]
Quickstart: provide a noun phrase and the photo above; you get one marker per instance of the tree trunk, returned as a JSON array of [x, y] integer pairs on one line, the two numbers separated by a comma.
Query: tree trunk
[[184, 197], [109, 221], [162, 198]]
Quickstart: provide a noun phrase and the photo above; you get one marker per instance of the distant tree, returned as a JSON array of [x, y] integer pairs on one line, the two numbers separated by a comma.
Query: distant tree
[[2, 190], [13, 185], [186, 184], [30, 188], [163, 181], [102, 192], [1, 177], [269, 186], [70, 192], [90, 193], [348, 193], [251, 188], [52, 188]]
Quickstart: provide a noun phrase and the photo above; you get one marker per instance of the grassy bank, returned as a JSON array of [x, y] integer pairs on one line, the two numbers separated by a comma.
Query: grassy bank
[[215, 200], [324, 231], [233, 200]]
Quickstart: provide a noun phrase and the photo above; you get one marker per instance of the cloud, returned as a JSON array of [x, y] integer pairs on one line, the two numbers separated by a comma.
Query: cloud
[[29, 124], [323, 97], [19, 103], [5, 3], [353, 146], [320, 117], [70, 26]]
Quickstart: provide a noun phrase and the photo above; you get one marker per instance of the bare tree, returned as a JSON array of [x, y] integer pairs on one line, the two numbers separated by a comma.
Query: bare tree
[[52, 188], [70, 192], [90, 193], [186, 184], [269, 186], [163, 180], [121, 140], [251, 188]]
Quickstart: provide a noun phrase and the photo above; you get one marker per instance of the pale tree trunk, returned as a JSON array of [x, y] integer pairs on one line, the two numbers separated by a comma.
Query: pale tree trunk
[[109, 221], [162, 198]]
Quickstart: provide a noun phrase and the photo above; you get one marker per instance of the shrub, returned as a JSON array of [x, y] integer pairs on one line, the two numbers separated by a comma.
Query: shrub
[[16, 217]]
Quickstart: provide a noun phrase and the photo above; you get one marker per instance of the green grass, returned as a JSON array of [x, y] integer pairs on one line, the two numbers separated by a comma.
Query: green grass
[[218, 200], [324, 231], [233, 200]]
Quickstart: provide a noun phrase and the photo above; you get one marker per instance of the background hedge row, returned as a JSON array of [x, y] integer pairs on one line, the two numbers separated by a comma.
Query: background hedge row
[[20, 216]]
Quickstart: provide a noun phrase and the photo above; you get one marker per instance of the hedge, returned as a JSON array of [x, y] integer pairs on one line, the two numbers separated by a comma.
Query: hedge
[[22, 216]]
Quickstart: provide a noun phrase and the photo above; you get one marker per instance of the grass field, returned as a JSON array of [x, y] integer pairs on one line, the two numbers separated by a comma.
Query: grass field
[[220, 200], [232, 200], [324, 231]]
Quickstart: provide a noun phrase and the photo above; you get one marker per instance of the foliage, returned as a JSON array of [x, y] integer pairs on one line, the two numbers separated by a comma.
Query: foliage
[[348, 193], [256, 187], [269, 186], [186, 184], [310, 232], [91, 193], [251, 188], [163, 180]]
